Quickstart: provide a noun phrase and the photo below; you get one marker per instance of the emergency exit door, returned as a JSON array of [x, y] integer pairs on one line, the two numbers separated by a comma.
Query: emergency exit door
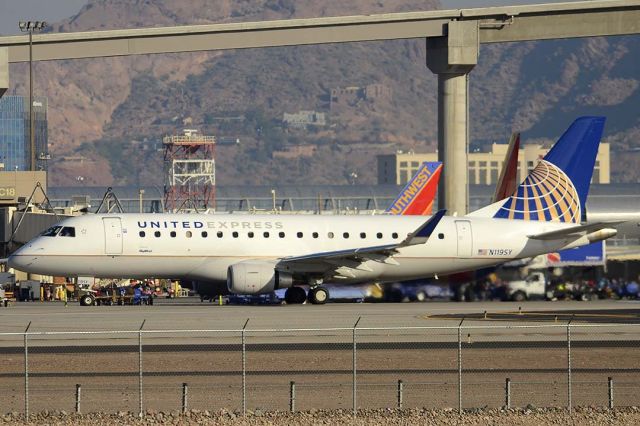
[[465, 238], [112, 235]]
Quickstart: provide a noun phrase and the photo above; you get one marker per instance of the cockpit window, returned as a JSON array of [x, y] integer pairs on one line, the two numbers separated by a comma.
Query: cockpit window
[[68, 231], [52, 232]]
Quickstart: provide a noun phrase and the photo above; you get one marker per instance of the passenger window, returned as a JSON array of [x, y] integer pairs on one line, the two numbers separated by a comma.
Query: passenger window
[[157, 234], [379, 235], [189, 234], [220, 234], [281, 234], [234, 234], [330, 235], [250, 234], [300, 235], [315, 235], [394, 235], [441, 236], [363, 235], [265, 234], [345, 235], [142, 234], [205, 234], [68, 231], [51, 232], [173, 234]]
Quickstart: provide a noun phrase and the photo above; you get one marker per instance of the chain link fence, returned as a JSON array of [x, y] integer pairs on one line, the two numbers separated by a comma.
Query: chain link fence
[[243, 370]]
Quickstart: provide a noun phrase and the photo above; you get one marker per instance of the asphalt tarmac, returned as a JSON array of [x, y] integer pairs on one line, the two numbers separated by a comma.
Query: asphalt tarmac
[[190, 313]]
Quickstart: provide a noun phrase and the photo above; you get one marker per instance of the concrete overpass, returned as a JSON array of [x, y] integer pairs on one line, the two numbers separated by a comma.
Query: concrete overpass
[[453, 38]]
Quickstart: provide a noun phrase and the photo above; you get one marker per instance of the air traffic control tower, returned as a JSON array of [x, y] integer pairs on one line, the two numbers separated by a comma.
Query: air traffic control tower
[[190, 172]]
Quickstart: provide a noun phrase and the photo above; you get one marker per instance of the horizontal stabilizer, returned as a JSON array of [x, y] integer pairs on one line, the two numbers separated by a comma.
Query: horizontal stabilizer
[[574, 231]]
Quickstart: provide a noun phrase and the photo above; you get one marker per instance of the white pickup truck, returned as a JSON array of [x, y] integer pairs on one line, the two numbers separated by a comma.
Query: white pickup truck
[[532, 287]]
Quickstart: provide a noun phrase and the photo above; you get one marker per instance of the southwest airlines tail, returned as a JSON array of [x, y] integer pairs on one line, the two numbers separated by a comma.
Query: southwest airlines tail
[[556, 189], [417, 196]]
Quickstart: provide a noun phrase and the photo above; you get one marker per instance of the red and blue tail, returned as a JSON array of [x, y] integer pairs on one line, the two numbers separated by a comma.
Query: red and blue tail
[[418, 195]]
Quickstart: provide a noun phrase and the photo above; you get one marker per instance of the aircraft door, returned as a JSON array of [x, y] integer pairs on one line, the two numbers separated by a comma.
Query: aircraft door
[[465, 238], [112, 235]]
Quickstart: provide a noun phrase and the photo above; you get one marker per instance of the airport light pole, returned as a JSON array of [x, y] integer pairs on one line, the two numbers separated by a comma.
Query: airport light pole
[[30, 27]]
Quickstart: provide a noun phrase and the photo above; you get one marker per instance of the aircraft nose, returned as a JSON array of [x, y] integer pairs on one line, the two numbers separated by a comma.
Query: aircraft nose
[[22, 258]]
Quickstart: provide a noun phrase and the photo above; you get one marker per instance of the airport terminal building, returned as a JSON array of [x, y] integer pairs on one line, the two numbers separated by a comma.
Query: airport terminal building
[[484, 167], [15, 149]]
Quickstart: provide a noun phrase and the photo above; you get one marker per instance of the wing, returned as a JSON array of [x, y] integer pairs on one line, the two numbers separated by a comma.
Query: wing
[[324, 262]]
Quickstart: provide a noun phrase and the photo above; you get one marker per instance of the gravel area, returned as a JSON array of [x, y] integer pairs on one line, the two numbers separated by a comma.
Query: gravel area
[[524, 416]]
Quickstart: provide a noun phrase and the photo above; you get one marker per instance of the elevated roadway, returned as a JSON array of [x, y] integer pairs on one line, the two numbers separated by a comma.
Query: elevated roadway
[[453, 39]]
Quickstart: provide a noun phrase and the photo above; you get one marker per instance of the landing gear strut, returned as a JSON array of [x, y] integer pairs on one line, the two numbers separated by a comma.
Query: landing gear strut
[[318, 295], [295, 296]]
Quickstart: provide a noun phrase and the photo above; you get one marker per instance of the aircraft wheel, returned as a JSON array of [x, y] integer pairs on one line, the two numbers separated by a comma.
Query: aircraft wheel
[[295, 296], [318, 295]]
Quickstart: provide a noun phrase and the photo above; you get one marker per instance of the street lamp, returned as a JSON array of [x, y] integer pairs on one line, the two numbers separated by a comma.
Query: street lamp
[[31, 27]]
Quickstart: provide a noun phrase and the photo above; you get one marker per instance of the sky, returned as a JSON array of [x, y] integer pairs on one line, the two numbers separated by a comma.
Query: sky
[[12, 11]]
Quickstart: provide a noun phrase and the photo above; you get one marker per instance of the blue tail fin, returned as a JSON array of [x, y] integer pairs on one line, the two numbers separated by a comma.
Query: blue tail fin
[[556, 189]]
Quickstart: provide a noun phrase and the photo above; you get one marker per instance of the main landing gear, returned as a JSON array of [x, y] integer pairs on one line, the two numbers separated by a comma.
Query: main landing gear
[[297, 296]]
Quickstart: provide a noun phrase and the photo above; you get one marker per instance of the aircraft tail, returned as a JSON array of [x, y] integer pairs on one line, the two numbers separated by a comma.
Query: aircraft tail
[[416, 198], [556, 189], [507, 182]]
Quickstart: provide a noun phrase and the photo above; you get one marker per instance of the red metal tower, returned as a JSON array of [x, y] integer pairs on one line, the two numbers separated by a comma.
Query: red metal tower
[[190, 172]]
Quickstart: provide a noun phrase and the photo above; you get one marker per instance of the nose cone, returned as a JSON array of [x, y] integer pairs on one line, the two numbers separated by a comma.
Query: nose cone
[[22, 259]]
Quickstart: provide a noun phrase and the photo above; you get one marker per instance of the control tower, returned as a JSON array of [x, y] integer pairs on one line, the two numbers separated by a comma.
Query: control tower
[[190, 172]]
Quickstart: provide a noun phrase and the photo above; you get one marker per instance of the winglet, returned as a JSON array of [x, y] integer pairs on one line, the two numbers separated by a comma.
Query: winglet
[[422, 234]]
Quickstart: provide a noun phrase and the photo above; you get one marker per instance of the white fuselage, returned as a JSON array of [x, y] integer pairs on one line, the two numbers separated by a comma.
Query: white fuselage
[[202, 247]]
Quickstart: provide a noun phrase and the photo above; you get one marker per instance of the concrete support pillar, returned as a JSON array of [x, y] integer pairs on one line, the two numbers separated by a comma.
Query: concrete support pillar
[[4, 70], [453, 142], [452, 57]]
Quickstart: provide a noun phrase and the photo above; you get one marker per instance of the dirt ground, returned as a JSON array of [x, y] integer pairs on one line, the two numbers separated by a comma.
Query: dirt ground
[[323, 378]]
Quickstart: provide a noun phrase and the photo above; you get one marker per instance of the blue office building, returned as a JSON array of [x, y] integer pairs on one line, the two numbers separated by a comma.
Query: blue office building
[[15, 152]]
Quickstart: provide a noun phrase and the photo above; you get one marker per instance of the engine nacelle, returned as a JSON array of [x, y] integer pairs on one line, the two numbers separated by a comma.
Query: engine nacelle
[[256, 277]]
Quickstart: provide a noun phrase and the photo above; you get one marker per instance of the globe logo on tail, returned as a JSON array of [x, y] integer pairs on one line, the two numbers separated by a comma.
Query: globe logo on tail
[[547, 194]]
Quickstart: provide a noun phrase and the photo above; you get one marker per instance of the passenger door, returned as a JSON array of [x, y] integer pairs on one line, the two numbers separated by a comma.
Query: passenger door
[[465, 238], [112, 235]]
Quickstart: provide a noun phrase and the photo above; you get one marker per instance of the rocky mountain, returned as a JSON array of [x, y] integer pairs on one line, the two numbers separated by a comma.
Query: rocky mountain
[[377, 97]]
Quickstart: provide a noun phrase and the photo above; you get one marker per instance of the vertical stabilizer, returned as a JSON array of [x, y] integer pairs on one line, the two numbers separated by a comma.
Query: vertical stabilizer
[[556, 189], [416, 198], [507, 182]]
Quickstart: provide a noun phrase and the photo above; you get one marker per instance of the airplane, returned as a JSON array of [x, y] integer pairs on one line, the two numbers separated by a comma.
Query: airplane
[[260, 253]]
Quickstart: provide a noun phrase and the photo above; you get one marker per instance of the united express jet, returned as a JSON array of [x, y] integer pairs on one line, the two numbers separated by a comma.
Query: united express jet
[[254, 254]]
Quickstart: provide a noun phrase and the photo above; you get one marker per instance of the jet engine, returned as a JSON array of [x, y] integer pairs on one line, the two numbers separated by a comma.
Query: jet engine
[[256, 277]]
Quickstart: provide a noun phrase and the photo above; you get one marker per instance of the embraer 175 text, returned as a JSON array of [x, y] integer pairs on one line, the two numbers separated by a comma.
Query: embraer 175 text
[[257, 254]]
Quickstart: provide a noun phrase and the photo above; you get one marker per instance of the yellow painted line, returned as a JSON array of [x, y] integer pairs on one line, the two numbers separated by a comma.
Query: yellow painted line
[[524, 315]]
